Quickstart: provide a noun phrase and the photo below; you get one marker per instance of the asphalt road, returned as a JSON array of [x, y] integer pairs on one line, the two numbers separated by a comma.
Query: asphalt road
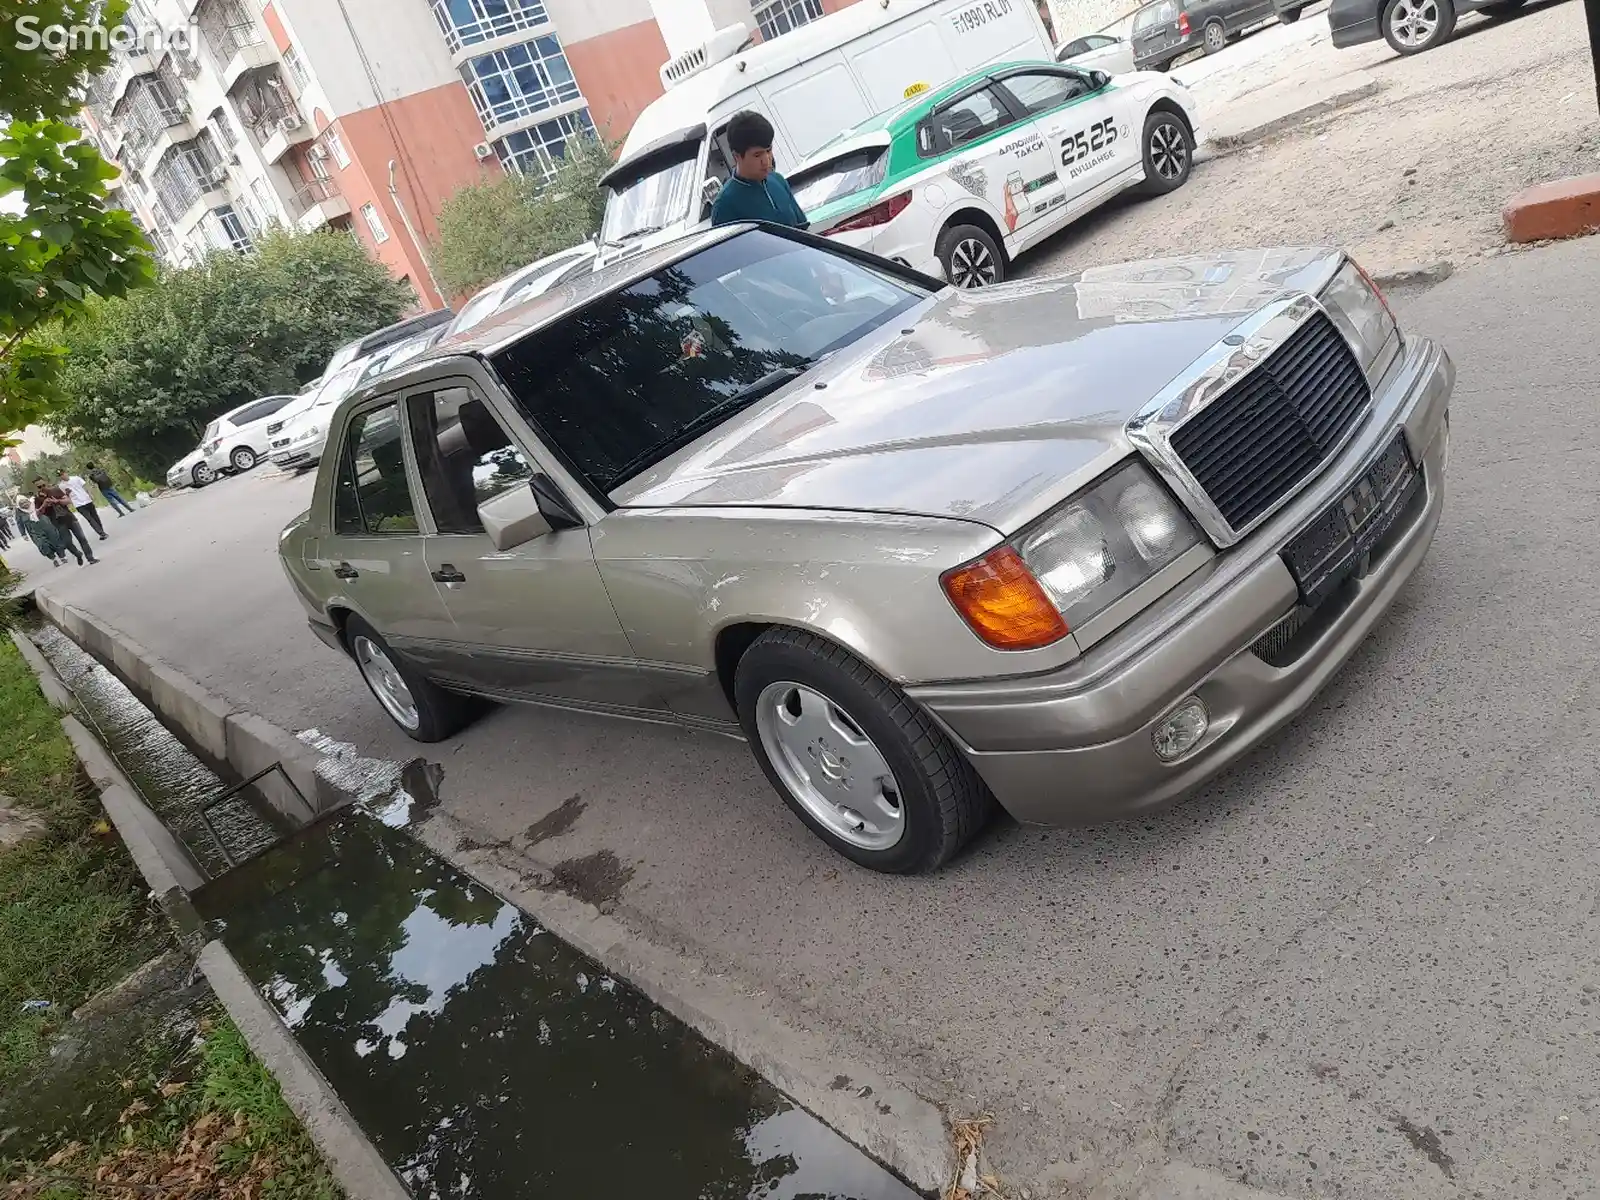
[[1360, 964]]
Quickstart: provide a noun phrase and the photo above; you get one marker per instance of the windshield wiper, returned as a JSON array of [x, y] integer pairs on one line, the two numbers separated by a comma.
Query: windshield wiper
[[715, 415], [633, 235]]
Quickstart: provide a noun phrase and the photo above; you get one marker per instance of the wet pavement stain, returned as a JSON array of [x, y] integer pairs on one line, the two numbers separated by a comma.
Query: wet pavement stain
[[596, 879], [485, 1058], [1426, 1141], [556, 823]]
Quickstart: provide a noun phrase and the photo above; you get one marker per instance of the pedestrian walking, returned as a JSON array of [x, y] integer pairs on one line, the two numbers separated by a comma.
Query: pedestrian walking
[[101, 478], [40, 532], [78, 492], [55, 506]]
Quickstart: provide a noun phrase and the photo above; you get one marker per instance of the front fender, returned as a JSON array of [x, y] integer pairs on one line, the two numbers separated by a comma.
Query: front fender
[[680, 577]]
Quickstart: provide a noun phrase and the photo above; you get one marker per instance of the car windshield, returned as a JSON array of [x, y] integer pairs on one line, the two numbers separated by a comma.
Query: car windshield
[[340, 384], [843, 176], [1154, 14], [530, 288], [652, 201], [640, 373]]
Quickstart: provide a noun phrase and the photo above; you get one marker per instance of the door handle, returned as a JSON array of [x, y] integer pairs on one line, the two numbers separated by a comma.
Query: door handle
[[345, 571], [448, 574]]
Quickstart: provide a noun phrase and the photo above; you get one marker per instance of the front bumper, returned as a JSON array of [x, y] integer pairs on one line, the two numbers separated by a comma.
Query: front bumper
[[1075, 746]]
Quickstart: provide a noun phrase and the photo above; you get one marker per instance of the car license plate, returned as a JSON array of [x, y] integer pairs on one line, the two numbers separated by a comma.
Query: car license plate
[[1334, 547]]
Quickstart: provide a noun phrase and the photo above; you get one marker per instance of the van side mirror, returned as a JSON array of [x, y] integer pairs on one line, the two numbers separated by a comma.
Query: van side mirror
[[711, 189]]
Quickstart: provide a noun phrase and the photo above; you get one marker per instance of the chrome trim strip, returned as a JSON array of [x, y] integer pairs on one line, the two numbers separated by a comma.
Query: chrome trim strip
[[1205, 381]]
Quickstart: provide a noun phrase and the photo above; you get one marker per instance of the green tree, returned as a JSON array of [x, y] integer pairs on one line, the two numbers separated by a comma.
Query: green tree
[[489, 229], [63, 247], [145, 373]]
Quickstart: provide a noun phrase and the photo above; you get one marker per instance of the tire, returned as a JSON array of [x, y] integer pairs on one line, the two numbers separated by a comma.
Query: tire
[[242, 459], [1214, 36], [1168, 149], [202, 475], [941, 802], [960, 245], [1288, 16], [437, 713], [1412, 26]]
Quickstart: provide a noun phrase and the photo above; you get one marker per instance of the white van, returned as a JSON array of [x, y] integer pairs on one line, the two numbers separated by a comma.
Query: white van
[[812, 83]]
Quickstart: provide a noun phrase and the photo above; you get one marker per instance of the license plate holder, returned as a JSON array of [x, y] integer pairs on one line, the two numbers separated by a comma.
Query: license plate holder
[[1334, 547]]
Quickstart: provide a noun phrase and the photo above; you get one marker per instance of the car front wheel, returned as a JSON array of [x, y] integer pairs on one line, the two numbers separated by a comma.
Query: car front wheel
[[414, 702], [1168, 152], [865, 769], [1412, 26], [202, 474], [971, 258]]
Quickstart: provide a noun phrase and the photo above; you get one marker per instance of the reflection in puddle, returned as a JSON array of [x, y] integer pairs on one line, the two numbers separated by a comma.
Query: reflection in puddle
[[487, 1059]]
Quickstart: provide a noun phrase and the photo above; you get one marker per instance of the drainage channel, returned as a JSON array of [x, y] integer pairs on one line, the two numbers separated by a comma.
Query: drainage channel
[[482, 1056]]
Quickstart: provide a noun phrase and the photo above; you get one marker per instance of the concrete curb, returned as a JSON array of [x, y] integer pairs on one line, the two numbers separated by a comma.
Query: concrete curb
[[172, 875], [894, 1125], [899, 1128], [1285, 122]]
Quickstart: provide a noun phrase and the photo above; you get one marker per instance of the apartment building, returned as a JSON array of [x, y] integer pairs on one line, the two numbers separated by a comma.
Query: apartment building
[[365, 115]]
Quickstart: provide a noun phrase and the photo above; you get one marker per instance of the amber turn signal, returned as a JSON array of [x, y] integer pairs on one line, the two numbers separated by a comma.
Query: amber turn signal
[[999, 597]]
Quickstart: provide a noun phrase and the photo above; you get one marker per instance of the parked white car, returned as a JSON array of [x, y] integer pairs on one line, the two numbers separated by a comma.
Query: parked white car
[[299, 443], [531, 280], [233, 443], [1098, 52]]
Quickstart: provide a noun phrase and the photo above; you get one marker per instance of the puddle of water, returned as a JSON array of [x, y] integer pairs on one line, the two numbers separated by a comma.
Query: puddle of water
[[485, 1058], [173, 781]]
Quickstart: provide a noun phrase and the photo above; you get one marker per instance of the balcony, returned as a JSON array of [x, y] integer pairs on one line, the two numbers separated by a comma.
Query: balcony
[[286, 131], [124, 71], [177, 131], [214, 195], [316, 204], [235, 39], [250, 56], [468, 38]]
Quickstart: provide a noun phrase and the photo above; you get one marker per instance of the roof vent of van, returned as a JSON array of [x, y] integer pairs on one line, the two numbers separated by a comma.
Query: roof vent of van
[[723, 44]]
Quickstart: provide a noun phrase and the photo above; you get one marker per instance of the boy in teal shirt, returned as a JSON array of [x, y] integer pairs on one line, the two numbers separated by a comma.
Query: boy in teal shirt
[[755, 192]]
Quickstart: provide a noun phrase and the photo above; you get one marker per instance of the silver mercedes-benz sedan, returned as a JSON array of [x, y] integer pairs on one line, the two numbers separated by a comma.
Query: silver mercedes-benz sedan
[[1070, 544]]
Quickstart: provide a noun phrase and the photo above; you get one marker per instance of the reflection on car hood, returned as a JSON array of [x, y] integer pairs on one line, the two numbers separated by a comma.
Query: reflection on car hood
[[992, 405]]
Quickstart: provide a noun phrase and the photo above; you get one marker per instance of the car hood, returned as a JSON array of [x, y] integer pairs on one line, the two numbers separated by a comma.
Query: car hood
[[188, 461], [988, 406]]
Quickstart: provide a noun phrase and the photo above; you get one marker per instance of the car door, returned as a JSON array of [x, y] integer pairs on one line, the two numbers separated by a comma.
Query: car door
[[996, 154], [532, 621], [1081, 124], [373, 548]]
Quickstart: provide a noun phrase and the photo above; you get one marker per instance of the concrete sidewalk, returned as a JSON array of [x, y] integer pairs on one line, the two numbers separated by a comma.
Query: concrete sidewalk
[[1359, 964]]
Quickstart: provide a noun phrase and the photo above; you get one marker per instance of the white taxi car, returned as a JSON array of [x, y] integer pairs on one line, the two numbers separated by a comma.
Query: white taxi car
[[958, 181]]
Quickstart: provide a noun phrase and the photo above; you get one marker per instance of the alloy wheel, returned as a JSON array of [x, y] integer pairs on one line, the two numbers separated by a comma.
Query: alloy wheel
[[1215, 38], [830, 765], [202, 474], [1414, 22], [1169, 150], [386, 682], [243, 459], [971, 264]]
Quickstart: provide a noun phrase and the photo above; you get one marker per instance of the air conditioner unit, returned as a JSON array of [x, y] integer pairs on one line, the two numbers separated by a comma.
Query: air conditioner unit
[[721, 45], [317, 152], [483, 150]]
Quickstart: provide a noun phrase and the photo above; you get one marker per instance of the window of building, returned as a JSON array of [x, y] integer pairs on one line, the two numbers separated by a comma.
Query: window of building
[[536, 151], [335, 146], [777, 17], [266, 202], [519, 81], [369, 213], [297, 69], [228, 230], [224, 128], [467, 22], [183, 174]]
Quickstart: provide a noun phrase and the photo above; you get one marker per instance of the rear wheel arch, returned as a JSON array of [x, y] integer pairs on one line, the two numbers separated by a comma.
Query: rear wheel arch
[[969, 215], [340, 616]]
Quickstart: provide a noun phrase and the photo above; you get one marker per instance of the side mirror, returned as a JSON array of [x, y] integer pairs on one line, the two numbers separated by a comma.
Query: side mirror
[[512, 518], [1098, 79], [711, 189]]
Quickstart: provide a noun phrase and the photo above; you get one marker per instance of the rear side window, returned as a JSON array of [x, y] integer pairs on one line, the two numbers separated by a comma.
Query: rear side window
[[371, 493], [968, 119], [844, 176], [465, 456], [1155, 14], [1073, 49], [1039, 92]]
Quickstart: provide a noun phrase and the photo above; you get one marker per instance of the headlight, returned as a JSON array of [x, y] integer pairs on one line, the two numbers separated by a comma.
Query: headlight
[[1363, 316], [1073, 564]]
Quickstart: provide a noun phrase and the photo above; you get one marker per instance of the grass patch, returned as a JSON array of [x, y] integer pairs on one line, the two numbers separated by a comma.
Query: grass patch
[[73, 914], [213, 1126]]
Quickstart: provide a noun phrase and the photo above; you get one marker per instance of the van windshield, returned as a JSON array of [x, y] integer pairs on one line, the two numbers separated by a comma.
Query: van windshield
[[661, 198]]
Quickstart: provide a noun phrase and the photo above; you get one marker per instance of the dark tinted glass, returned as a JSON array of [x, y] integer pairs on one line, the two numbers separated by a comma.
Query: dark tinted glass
[[466, 458], [627, 380]]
